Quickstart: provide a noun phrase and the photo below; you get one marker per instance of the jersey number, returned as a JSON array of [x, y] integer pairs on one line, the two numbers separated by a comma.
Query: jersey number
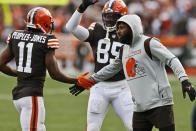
[[27, 68], [105, 51]]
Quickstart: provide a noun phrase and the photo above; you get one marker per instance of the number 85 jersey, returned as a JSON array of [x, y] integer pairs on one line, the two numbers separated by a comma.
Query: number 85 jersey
[[29, 50], [104, 52]]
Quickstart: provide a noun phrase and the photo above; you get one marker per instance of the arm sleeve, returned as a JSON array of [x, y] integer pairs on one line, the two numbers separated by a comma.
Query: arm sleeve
[[107, 71], [160, 52], [73, 26]]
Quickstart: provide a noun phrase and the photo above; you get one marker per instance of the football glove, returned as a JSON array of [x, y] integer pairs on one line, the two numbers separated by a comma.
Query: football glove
[[76, 90], [187, 87], [84, 81], [85, 3]]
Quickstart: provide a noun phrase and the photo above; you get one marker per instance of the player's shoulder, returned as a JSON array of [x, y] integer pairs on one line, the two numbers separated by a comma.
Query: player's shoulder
[[155, 43], [13, 35], [16, 32], [19, 31], [148, 39], [95, 25], [155, 39], [52, 42], [50, 36]]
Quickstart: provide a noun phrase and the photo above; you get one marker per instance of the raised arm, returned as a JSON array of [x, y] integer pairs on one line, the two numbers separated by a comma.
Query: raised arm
[[5, 57], [73, 24]]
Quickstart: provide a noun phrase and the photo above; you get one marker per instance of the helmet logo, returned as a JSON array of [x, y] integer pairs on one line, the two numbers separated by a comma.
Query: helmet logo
[[40, 18]]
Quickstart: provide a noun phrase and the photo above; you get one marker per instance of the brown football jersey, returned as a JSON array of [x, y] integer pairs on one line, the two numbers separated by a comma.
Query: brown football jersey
[[104, 53], [29, 50]]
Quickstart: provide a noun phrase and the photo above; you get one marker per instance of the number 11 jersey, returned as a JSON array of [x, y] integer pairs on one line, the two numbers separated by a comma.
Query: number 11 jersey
[[29, 49]]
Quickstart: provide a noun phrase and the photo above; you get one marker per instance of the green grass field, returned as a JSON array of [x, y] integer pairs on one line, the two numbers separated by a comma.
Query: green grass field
[[68, 113]]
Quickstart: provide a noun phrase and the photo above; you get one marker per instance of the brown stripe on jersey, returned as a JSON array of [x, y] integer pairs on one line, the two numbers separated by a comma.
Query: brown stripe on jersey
[[147, 47], [34, 115], [121, 52]]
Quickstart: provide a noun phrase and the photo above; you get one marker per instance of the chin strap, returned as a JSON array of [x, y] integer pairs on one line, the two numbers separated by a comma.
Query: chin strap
[[106, 39]]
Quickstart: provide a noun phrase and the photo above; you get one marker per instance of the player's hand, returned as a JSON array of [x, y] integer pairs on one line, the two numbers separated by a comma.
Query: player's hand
[[187, 87], [85, 3], [76, 90], [85, 82]]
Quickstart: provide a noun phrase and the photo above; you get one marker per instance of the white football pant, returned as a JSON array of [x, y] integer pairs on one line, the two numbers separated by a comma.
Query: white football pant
[[32, 113], [104, 93]]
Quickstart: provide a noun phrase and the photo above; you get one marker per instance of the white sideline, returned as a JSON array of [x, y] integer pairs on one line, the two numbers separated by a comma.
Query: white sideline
[[46, 92]]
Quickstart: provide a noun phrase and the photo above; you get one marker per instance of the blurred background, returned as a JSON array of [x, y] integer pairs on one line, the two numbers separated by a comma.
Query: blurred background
[[172, 21]]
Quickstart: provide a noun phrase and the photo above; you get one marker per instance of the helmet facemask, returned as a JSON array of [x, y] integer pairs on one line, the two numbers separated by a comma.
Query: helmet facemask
[[112, 11], [109, 20]]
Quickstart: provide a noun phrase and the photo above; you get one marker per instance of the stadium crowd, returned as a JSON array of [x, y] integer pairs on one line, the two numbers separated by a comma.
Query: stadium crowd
[[160, 17]]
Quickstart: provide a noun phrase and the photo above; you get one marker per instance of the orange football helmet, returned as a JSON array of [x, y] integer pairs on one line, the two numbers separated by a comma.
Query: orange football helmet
[[112, 11], [40, 18]]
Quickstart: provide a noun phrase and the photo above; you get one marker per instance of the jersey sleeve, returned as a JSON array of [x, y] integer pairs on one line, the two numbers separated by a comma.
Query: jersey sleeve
[[8, 39], [91, 30], [159, 51], [165, 56], [92, 26], [53, 43]]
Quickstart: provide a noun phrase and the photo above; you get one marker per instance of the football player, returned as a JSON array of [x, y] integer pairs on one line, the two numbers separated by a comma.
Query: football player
[[105, 45], [33, 50], [143, 60]]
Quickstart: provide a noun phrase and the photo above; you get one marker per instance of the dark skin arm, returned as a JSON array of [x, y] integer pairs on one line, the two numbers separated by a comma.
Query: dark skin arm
[[5, 57], [54, 71]]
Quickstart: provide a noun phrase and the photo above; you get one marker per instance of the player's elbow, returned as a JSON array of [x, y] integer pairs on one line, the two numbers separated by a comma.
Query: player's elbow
[[53, 76], [69, 28]]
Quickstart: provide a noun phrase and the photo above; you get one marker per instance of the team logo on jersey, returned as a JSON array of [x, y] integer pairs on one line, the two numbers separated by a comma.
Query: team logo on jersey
[[134, 70]]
